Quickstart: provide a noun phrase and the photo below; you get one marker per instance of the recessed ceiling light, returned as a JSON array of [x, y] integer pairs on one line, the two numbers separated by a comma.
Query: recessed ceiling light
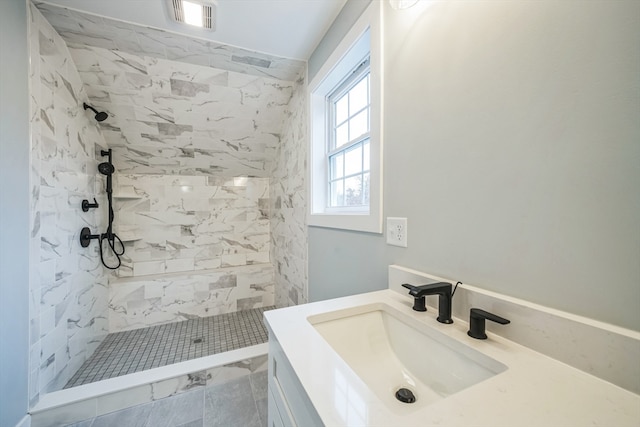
[[192, 13], [199, 13]]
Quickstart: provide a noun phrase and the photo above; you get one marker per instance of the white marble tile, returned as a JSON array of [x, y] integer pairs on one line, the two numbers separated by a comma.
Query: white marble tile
[[193, 101], [246, 113], [174, 265], [177, 385], [222, 374], [47, 321], [288, 225], [59, 17], [34, 384], [64, 165], [232, 260], [76, 404], [65, 415], [258, 258], [151, 300], [188, 224], [123, 399]]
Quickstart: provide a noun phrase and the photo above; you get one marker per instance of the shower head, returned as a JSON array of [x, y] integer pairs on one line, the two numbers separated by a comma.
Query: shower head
[[100, 115], [106, 168]]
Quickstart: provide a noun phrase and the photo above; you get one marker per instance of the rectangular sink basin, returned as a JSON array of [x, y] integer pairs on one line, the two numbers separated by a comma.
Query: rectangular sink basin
[[388, 350]]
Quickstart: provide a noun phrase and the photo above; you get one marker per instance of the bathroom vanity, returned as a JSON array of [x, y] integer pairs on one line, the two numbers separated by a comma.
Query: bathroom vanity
[[341, 362]]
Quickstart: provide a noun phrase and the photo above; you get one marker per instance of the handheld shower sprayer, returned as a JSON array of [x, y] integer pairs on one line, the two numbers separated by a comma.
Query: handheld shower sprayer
[[107, 169], [100, 115]]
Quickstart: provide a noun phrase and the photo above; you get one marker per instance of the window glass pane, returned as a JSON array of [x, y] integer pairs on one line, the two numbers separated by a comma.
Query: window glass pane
[[366, 157], [342, 135], [342, 109], [358, 124], [350, 122], [337, 166], [353, 160], [353, 191], [359, 96], [337, 193]]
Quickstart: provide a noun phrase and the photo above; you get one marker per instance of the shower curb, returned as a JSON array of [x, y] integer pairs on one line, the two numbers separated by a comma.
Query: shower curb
[[91, 400]]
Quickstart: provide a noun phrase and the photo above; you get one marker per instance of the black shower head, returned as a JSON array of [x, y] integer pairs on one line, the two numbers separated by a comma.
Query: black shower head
[[100, 115], [106, 168]]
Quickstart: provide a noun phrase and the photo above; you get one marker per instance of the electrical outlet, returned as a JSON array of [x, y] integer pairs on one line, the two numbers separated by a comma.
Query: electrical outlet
[[397, 231]]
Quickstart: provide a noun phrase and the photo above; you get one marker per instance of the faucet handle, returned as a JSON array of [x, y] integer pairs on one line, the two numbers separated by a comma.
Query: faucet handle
[[419, 302], [412, 289], [86, 205], [477, 319]]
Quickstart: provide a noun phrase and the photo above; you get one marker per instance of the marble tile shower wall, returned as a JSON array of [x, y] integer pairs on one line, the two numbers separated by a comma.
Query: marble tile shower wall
[[144, 301], [68, 286], [196, 144], [211, 235], [289, 205], [187, 223], [174, 118]]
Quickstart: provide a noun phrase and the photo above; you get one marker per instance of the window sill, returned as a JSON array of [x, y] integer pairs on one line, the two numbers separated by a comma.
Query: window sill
[[353, 221]]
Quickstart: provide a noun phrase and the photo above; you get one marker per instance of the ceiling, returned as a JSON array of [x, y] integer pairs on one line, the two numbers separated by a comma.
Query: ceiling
[[79, 29], [284, 28]]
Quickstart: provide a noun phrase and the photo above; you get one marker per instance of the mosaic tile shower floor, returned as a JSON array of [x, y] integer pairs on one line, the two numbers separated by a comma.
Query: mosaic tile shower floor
[[127, 352]]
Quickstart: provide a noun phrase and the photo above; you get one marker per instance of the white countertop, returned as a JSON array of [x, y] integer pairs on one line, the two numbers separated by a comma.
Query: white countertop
[[535, 390]]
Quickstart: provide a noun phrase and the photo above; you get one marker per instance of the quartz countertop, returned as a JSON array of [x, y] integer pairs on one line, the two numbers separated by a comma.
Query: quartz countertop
[[535, 390]]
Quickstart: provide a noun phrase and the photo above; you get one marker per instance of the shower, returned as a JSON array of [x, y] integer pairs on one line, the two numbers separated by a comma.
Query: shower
[[181, 217], [107, 169], [100, 115]]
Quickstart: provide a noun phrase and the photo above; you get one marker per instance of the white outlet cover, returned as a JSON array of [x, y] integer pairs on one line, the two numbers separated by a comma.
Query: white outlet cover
[[397, 231]]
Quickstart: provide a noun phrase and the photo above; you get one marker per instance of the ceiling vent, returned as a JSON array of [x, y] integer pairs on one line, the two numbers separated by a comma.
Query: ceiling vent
[[198, 13]]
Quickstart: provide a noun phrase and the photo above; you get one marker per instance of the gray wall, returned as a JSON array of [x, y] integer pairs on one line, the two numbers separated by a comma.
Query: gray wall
[[512, 145], [14, 212], [345, 263], [349, 14], [342, 262]]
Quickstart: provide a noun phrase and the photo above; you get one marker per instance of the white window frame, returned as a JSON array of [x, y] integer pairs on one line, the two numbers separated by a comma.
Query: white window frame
[[361, 72], [364, 39]]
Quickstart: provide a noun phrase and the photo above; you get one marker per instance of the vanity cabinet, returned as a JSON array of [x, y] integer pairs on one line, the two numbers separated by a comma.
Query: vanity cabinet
[[288, 403]]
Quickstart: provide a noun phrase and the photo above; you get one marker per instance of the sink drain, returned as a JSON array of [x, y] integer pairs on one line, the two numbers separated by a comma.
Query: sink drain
[[405, 395]]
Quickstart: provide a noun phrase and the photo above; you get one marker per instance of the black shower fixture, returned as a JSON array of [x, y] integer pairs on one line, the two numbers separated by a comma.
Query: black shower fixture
[[105, 168], [100, 115]]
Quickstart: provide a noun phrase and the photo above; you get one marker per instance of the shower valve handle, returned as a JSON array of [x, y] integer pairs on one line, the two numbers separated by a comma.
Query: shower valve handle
[[86, 205], [86, 237]]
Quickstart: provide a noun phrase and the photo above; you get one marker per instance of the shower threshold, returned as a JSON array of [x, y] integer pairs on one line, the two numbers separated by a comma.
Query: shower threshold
[[123, 353]]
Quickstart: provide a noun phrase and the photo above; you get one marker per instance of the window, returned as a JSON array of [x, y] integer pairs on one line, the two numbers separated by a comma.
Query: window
[[346, 138], [349, 148]]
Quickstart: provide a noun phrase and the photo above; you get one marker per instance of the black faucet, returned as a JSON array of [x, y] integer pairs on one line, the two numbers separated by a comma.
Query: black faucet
[[477, 319], [442, 289]]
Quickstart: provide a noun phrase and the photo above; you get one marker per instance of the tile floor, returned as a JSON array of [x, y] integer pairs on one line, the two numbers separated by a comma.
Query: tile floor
[[240, 402], [126, 352]]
